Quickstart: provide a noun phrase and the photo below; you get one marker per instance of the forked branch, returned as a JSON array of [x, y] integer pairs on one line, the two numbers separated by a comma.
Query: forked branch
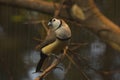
[[53, 65]]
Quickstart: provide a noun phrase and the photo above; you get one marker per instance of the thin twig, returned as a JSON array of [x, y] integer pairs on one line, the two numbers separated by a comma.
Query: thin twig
[[58, 9], [37, 39], [34, 22], [76, 65], [44, 26], [52, 66], [71, 60], [68, 67]]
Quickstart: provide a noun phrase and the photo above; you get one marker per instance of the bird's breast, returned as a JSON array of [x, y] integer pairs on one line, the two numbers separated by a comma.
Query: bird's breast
[[55, 47]]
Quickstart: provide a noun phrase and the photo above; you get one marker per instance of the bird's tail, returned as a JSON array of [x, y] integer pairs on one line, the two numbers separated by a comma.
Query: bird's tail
[[41, 61]]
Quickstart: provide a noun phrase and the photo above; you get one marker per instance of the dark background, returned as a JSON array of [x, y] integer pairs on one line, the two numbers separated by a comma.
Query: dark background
[[18, 57]]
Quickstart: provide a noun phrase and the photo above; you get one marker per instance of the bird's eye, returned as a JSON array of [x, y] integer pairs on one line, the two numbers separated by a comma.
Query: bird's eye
[[53, 19]]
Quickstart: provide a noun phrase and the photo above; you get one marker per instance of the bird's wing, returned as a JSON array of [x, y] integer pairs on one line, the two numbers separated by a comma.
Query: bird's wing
[[51, 37]]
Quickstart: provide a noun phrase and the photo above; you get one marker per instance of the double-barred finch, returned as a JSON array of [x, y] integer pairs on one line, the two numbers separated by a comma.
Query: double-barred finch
[[57, 39]]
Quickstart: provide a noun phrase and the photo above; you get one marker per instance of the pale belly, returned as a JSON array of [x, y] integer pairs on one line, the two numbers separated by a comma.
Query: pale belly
[[55, 47]]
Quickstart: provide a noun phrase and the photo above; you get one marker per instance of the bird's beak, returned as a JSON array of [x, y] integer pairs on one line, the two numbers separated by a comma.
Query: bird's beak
[[49, 24]]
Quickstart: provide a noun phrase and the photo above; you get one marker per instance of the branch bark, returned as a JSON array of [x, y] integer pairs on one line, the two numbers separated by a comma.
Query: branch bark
[[53, 65], [30, 4], [37, 5], [106, 29]]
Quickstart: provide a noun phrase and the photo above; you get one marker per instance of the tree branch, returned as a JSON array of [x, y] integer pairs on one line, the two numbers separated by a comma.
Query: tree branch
[[103, 27], [53, 65], [93, 19], [37, 5]]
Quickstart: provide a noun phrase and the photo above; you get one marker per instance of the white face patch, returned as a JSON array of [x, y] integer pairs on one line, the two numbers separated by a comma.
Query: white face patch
[[55, 23]]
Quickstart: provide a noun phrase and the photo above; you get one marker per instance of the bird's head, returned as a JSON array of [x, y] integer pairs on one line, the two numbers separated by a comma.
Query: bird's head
[[55, 23]]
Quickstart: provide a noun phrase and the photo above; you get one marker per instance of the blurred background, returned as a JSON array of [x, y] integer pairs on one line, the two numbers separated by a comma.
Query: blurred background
[[18, 57]]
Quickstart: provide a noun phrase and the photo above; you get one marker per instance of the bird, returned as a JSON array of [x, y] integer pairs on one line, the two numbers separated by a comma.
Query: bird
[[58, 38]]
